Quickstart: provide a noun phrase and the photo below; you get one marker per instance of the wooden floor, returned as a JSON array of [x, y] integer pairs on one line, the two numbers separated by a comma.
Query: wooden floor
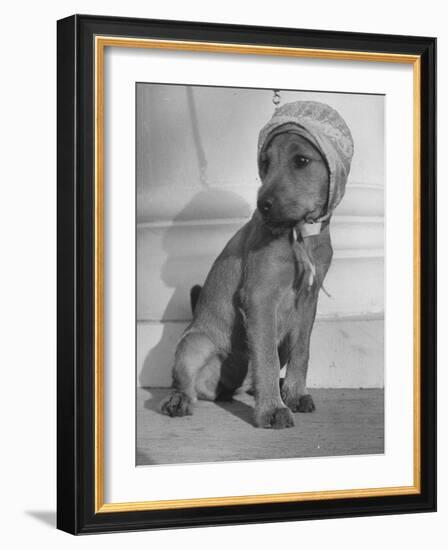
[[346, 422]]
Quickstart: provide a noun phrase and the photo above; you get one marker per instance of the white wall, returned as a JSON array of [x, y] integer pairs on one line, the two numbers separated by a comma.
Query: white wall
[[197, 182], [27, 277]]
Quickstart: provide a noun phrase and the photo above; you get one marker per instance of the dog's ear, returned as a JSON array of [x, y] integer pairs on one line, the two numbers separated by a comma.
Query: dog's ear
[[194, 296]]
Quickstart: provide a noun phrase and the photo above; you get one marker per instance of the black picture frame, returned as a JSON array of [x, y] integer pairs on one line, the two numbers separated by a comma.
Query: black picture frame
[[76, 510]]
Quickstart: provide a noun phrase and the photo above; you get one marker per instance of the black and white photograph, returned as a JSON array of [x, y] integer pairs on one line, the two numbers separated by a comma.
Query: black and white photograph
[[219, 302], [259, 273]]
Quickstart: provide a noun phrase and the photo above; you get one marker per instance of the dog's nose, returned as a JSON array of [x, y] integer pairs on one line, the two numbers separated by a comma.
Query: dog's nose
[[264, 205]]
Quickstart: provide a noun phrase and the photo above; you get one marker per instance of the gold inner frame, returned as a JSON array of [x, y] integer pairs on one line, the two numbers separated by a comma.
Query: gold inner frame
[[101, 42]]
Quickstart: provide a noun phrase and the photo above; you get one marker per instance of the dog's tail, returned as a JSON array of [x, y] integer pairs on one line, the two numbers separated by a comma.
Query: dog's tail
[[194, 296]]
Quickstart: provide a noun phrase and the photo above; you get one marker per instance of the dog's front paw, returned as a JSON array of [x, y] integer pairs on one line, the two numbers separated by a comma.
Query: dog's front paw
[[306, 404], [297, 403], [177, 404], [277, 418]]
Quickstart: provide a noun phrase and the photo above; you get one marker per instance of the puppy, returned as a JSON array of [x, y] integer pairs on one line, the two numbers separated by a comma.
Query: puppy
[[256, 310]]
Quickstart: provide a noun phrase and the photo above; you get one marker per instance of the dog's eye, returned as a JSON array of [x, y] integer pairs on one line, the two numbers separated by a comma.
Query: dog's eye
[[300, 162], [264, 165]]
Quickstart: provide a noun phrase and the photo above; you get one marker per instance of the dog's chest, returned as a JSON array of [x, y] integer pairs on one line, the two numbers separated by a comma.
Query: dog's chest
[[297, 296], [288, 309]]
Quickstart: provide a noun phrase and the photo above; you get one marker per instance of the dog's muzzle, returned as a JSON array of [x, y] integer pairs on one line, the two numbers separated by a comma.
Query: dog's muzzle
[[264, 205]]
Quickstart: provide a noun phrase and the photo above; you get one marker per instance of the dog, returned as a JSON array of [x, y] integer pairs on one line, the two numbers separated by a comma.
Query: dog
[[256, 310]]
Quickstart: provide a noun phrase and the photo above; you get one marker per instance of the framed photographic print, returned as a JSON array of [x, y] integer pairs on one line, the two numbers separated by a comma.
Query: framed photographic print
[[246, 274]]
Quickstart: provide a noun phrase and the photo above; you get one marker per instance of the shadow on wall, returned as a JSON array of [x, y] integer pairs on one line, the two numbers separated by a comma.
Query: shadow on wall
[[182, 272]]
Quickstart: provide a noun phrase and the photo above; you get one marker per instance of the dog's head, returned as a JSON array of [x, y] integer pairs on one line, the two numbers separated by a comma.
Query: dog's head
[[295, 181], [304, 157]]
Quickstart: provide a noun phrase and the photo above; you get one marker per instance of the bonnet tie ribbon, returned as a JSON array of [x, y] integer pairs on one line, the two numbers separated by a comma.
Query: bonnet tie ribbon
[[306, 257]]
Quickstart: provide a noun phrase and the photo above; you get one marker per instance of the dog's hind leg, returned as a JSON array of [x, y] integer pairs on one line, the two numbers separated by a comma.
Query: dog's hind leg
[[193, 352], [207, 380]]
